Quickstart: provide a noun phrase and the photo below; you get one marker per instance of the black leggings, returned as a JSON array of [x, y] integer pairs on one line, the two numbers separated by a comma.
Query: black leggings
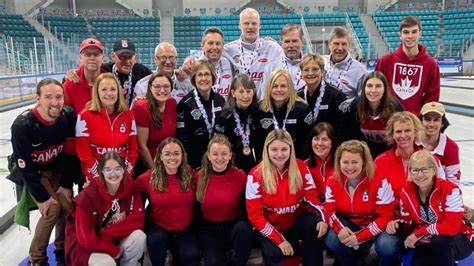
[[442, 250]]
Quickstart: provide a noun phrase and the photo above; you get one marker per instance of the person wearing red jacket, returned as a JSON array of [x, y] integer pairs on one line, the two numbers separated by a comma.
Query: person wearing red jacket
[[358, 206], [170, 190], [413, 74], [283, 203], [220, 192], [402, 130], [106, 124], [156, 119], [107, 219], [322, 145], [91, 56], [434, 208]]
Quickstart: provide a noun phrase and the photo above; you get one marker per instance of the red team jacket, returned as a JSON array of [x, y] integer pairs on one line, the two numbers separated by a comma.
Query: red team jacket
[[371, 207], [96, 134], [272, 213], [446, 203], [321, 173]]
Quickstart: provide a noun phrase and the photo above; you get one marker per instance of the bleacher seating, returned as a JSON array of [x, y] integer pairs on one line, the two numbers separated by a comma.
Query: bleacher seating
[[143, 31], [457, 30], [70, 30], [388, 25], [188, 29]]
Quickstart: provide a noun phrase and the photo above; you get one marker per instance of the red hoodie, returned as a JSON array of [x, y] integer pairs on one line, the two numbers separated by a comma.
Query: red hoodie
[[84, 232], [413, 81]]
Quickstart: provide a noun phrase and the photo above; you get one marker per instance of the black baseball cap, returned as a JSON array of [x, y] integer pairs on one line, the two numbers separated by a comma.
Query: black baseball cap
[[122, 46]]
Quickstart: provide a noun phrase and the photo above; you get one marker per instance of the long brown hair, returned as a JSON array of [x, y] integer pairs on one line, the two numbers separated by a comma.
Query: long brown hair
[[387, 103], [152, 102], [159, 180], [206, 166]]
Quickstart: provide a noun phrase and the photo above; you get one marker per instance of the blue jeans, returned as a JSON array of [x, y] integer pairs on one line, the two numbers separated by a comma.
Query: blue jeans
[[387, 247]]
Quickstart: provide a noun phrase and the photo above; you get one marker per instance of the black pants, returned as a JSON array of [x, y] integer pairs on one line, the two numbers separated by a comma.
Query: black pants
[[217, 238], [442, 250], [304, 228], [183, 245]]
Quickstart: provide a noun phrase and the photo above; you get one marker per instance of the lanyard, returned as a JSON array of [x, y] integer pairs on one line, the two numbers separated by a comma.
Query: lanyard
[[318, 101], [209, 125], [127, 85]]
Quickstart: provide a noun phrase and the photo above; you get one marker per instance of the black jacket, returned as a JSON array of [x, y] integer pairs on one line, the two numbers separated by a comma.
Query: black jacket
[[191, 128]]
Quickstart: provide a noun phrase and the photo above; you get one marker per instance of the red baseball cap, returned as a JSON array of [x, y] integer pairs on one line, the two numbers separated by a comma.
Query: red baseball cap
[[91, 42]]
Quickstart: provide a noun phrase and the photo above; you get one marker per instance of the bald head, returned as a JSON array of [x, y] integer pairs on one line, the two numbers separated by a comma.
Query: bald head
[[165, 57]]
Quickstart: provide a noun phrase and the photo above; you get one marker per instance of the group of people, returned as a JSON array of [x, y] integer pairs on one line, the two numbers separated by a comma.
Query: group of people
[[253, 141]]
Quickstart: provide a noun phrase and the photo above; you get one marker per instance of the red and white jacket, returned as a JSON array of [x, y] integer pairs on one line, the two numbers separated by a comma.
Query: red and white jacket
[[321, 173], [390, 165], [272, 213], [447, 151], [370, 207], [446, 203], [97, 133]]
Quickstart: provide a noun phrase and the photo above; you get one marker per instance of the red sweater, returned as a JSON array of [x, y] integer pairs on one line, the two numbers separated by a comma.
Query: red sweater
[[321, 173], [446, 203], [84, 232], [413, 81], [371, 206], [171, 209], [76, 95], [272, 213], [156, 135], [221, 201], [96, 134]]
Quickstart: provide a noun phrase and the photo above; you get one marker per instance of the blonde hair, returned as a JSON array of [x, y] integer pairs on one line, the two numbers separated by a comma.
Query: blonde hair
[[206, 166], [268, 169], [426, 155], [308, 58], [402, 117], [361, 148], [266, 103], [95, 104]]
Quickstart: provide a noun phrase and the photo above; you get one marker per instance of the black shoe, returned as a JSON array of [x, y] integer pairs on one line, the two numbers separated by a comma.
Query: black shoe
[[60, 257], [40, 263]]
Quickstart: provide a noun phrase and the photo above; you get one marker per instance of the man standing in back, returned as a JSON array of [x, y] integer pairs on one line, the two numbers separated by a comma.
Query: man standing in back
[[412, 73]]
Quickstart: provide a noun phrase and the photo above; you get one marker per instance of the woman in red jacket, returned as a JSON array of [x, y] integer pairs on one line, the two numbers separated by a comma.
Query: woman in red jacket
[[220, 192], [104, 125], [322, 145], [276, 193], [156, 119], [169, 188], [358, 207], [107, 220], [434, 207]]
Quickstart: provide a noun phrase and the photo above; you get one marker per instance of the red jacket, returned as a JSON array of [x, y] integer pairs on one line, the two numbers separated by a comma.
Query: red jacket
[[446, 203], [321, 173], [413, 81], [96, 134], [371, 207], [84, 232], [272, 213], [172, 209], [390, 165]]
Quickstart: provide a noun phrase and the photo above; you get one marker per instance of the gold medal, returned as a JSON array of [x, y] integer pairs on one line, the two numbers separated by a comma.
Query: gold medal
[[247, 150]]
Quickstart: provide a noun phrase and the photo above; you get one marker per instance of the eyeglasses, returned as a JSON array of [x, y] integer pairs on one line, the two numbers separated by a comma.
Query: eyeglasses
[[172, 154], [159, 87], [203, 75], [117, 170], [91, 54], [424, 170], [309, 70], [166, 58]]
